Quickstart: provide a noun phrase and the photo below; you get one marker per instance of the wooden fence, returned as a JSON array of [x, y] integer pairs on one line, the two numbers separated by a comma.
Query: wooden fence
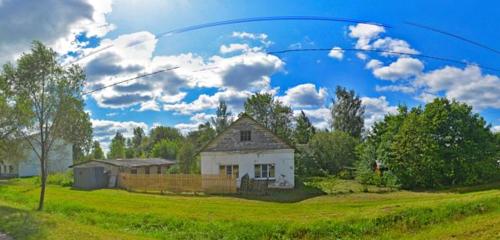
[[177, 183]]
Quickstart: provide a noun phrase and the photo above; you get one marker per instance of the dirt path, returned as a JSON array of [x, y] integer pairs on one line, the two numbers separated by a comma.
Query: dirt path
[[4, 237]]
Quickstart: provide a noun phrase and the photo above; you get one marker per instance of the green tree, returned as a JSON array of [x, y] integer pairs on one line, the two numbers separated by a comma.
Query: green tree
[[117, 147], [347, 112], [333, 151], [202, 136], [304, 130], [166, 149], [138, 142], [159, 133], [52, 95], [222, 119], [270, 113], [186, 157], [97, 153]]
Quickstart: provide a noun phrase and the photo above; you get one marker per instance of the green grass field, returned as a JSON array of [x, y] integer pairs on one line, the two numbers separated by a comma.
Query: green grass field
[[323, 209]]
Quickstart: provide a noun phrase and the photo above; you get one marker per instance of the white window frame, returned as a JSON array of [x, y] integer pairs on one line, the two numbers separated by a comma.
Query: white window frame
[[268, 166]]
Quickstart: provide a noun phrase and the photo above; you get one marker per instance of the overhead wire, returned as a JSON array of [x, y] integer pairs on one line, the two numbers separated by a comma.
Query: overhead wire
[[416, 55]]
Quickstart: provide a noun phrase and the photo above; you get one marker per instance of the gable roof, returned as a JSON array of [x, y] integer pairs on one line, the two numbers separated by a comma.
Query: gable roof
[[131, 163], [277, 142]]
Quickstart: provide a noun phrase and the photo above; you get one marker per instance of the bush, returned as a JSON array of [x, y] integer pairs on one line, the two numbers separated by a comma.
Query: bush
[[61, 179]]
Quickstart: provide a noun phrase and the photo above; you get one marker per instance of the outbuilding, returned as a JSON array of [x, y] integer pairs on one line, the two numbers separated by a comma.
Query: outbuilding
[[101, 173]]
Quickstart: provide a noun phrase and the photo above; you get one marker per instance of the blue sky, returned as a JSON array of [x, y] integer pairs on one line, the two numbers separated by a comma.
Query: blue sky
[[235, 62]]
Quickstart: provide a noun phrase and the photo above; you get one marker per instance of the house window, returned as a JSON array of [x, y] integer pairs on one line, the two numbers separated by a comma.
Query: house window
[[245, 136], [229, 170], [146, 170], [11, 169], [264, 171], [158, 170], [133, 171]]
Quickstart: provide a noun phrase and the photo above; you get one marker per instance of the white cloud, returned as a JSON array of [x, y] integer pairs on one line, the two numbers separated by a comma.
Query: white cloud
[[337, 53], [238, 47], [234, 99], [55, 23], [304, 95], [395, 88], [320, 118], [196, 120], [132, 54], [495, 129], [403, 68], [364, 33], [376, 109], [262, 37], [393, 45], [105, 130], [469, 85]]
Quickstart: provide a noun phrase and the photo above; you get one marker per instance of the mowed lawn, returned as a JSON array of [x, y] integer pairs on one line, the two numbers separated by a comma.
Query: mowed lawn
[[345, 213]]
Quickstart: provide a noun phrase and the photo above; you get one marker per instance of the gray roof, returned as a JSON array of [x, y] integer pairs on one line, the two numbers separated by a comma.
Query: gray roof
[[134, 162]]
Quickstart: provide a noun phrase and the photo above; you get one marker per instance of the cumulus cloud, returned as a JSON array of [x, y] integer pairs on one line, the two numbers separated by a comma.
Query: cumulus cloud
[[364, 33], [403, 68], [262, 37], [469, 85], [105, 130], [321, 118], [376, 109], [238, 47], [337, 53], [195, 121], [53, 22], [234, 99], [304, 95], [132, 54]]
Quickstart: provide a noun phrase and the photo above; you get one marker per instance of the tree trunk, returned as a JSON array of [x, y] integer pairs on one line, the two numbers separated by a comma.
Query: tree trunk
[[43, 168]]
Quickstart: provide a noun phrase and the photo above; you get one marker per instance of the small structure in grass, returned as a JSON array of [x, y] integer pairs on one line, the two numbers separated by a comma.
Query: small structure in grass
[[104, 173]]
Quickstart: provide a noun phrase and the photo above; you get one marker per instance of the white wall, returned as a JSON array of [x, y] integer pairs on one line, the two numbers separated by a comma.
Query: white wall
[[60, 158], [282, 158]]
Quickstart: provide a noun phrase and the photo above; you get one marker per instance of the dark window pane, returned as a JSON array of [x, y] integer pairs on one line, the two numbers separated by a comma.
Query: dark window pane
[[264, 171], [245, 136], [236, 171], [271, 171], [257, 171]]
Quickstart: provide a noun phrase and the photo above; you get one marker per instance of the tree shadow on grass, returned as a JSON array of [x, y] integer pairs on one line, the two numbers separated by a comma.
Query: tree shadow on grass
[[297, 194], [19, 224]]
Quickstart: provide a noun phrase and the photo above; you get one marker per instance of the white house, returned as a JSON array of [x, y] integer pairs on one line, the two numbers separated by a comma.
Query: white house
[[60, 158], [247, 147]]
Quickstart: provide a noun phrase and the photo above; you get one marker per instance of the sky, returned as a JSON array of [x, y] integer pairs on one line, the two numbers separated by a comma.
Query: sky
[[118, 40]]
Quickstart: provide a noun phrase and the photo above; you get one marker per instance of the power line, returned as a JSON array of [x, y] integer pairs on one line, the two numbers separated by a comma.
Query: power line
[[454, 36], [301, 50], [236, 21], [130, 79], [416, 55]]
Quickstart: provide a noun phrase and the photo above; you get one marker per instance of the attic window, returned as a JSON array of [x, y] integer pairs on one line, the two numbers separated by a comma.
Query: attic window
[[245, 136]]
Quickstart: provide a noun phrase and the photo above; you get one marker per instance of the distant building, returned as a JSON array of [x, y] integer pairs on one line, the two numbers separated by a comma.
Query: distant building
[[247, 147], [60, 158], [104, 173]]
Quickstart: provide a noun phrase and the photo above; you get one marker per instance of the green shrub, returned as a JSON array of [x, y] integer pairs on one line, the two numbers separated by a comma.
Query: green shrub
[[62, 179]]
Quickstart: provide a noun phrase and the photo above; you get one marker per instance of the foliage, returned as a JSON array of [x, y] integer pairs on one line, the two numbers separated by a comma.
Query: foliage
[[52, 102], [117, 147], [304, 129], [333, 151], [166, 149], [271, 113], [443, 144], [202, 136], [97, 153], [186, 157], [347, 112], [223, 118]]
